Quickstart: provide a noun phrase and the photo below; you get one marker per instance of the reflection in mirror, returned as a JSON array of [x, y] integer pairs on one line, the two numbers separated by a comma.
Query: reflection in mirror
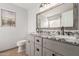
[[43, 21], [65, 15], [67, 18], [54, 21]]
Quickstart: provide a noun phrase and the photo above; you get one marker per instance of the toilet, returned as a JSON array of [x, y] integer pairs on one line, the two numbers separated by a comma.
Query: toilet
[[21, 46]]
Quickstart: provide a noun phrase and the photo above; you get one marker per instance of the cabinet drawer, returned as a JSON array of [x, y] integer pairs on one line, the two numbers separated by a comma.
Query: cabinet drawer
[[50, 44], [38, 50], [38, 40]]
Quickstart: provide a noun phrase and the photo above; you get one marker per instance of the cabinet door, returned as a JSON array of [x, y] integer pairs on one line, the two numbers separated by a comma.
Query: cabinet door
[[62, 48], [68, 50], [50, 44]]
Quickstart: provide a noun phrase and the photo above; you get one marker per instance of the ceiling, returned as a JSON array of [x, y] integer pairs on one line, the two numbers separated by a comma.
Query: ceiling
[[28, 6]]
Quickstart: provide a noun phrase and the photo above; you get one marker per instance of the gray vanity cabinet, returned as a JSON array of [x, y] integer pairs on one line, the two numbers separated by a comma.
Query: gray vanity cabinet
[[59, 48], [38, 46], [50, 47]]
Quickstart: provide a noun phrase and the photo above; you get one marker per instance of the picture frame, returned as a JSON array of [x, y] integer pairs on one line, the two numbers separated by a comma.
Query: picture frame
[[8, 18]]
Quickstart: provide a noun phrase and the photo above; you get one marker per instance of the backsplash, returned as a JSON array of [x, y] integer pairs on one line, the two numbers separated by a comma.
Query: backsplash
[[58, 32]]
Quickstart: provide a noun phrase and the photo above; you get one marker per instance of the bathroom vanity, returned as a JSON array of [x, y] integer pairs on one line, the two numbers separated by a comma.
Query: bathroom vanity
[[49, 40], [49, 46]]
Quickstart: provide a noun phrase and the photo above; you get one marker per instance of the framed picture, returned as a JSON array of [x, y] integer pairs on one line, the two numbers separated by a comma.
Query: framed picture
[[8, 18]]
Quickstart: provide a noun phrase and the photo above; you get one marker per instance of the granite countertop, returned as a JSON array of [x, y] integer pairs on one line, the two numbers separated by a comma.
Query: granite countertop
[[60, 38]]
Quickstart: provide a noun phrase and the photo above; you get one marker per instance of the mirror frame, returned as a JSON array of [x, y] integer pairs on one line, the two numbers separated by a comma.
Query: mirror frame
[[75, 18]]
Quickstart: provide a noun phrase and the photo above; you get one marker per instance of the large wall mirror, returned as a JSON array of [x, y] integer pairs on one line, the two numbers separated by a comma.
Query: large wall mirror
[[61, 15]]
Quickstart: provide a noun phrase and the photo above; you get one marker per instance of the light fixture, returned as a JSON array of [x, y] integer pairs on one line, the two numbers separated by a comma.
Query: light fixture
[[44, 6]]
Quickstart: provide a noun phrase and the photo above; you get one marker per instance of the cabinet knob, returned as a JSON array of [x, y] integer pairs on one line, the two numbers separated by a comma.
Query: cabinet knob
[[37, 40], [53, 55], [37, 49]]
